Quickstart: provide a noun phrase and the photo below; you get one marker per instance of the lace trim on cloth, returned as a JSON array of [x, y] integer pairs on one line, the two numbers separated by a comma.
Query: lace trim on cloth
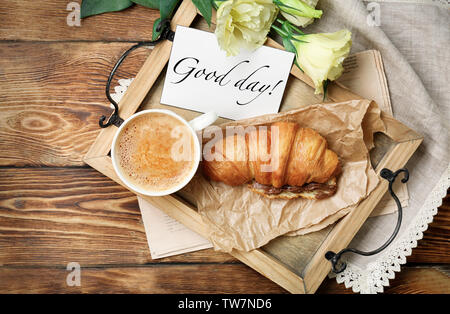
[[376, 276]]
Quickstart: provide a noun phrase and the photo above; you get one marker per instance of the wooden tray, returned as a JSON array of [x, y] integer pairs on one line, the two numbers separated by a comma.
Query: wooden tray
[[297, 263]]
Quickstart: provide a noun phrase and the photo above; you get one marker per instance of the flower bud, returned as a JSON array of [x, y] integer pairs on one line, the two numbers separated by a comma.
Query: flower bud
[[299, 12], [320, 56]]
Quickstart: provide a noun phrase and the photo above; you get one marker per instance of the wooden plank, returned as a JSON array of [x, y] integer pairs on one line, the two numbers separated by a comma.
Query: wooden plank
[[272, 269], [208, 278], [411, 280], [232, 278], [52, 97], [50, 216], [47, 21], [435, 245]]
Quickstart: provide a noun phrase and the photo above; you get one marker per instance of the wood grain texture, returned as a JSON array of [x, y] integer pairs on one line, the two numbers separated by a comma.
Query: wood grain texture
[[52, 97], [47, 21], [435, 244], [207, 278], [411, 280], [51, 216], [233, 278]]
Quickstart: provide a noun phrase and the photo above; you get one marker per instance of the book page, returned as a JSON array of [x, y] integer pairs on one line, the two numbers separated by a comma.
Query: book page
[[166, 236], [364, 75]]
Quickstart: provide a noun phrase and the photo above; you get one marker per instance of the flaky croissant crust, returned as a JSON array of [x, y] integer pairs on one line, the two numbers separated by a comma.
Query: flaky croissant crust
[[297, 155]]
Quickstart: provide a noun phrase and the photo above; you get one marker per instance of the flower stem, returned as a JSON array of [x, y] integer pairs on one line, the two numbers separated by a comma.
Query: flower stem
[[280, 32]]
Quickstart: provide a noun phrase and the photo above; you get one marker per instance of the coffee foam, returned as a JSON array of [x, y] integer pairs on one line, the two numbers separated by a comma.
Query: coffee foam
[[144, 152]]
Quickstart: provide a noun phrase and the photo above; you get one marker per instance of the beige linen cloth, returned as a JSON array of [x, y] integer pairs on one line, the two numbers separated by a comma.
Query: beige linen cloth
[[414, 40]]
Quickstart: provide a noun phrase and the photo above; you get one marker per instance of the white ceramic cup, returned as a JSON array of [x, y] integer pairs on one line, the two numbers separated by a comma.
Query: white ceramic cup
[[194, 125]]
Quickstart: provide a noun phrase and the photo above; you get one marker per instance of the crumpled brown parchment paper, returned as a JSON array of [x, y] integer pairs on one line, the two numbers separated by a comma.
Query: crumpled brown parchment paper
[[240, 219]]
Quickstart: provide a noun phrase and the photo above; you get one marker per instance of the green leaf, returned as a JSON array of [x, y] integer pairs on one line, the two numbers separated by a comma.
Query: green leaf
[[291, 48], [155, 33], [154, 4], [205, 8], [93, 7], [166, 8], [288, 45]]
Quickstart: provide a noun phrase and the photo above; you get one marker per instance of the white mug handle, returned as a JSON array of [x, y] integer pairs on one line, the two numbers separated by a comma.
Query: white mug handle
[[203, 121]]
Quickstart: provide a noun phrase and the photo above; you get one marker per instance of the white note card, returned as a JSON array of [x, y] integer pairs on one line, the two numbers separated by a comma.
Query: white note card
[[201, 77]]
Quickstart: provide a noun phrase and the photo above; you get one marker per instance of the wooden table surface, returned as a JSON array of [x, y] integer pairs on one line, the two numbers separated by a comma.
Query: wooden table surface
[[54, 209]]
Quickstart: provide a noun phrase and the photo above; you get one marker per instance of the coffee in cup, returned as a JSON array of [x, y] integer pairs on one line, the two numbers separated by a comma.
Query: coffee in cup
[[145, 151], [156, 152]]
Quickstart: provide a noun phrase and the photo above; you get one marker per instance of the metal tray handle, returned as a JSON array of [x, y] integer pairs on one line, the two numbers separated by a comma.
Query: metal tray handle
[[390, 176], [115, 119]]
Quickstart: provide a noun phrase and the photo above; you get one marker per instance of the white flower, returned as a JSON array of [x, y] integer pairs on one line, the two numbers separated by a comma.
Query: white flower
[[244, 24], [320, 56]]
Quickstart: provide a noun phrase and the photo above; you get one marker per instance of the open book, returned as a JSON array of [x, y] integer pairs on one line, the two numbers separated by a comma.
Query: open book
[[364, 75]]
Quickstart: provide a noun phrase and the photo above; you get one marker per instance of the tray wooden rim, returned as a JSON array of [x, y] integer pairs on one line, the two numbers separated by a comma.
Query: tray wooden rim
[[97, 157]]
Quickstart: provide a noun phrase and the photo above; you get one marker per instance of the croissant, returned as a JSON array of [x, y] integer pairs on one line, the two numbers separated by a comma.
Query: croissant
[[283, 161]]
